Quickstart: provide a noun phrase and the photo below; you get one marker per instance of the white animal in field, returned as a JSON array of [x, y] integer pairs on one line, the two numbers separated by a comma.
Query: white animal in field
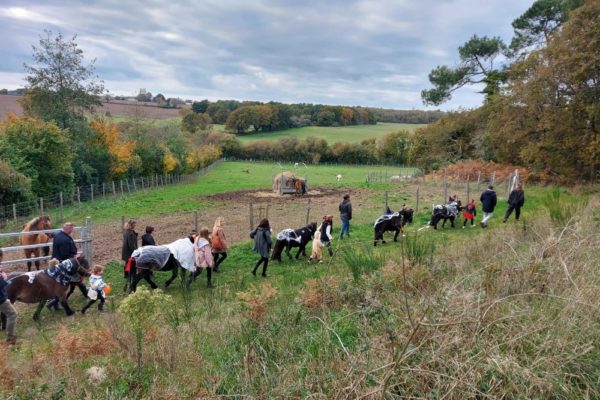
[[395, 179], [296, 165], [338, 177]]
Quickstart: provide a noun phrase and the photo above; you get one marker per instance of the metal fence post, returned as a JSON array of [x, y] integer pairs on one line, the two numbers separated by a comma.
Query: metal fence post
[[307, 212]]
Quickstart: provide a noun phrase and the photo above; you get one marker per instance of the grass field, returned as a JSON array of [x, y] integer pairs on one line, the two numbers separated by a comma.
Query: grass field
[[346, 134], [505, 312]]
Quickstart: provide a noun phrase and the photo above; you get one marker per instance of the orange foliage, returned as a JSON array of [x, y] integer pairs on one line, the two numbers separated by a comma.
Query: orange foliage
[[470, 169], [122, 150]]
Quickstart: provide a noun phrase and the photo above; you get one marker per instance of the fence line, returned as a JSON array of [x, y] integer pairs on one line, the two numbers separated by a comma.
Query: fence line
[[12, 214]]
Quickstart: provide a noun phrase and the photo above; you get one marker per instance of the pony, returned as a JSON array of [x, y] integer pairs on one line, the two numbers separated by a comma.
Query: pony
[[444, 212], [338, 177], [288, 238], [391, 222], [40, 286], [173, 257], [40, 223], [289, 180]]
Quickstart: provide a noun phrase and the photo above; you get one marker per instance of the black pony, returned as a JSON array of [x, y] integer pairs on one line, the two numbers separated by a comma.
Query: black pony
[[288, 238], [392, 222], [444, 212]]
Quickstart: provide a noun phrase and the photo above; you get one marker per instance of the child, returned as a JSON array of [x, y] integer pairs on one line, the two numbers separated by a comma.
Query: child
[[204, 257], [97, 284], [147, 238], [317, 247], [325, 231], [470, 213], [219, 243], [262, 245]]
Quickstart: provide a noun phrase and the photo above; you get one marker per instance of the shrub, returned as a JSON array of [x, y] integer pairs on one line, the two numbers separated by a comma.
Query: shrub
[[362, 260], [256, 300], [14, 186], [561, 209]]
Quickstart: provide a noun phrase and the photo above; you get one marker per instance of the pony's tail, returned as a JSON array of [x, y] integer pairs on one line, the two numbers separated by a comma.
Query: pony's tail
[[277, 250]]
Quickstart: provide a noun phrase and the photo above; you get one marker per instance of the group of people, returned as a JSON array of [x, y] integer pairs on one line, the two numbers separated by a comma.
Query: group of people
[[210, 247], [489, 200]]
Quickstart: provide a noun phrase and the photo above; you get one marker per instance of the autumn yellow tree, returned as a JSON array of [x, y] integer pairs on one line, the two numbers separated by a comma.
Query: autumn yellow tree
[[121, 150]]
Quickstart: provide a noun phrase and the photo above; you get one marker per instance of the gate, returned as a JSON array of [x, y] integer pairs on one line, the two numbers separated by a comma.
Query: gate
[[84, 242]]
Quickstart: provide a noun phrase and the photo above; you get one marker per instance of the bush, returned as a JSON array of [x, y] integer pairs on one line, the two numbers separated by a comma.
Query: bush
[[362, 260], [14, 186], [562, 210]]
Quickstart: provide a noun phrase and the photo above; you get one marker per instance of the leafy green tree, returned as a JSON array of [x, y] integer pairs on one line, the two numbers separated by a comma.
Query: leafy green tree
[[14, 186], [40, 151], [61, 87], [477, 57], [193, 122], [534, 27], [394, 147], [325, 118], [200, 107]]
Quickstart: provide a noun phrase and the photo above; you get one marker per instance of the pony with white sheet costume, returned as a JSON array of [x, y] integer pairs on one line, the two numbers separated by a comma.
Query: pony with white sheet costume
[[173, 257]]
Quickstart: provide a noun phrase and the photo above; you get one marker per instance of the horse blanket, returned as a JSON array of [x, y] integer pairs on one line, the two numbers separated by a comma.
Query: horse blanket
[[289, 235], [65, 272], [153, 255], [183, 251], [386, 217]]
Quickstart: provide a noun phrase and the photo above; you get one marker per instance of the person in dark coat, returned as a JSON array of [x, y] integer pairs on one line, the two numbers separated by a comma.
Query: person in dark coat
[[326, 227], [130, 244], [147, 238], [7, 308], [345, 215], [262, 245], [488, 204], [130, 240], [63, 245], [516, 200], [63, 248]]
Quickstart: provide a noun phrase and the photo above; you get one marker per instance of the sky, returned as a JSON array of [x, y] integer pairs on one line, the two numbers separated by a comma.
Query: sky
[[374, 53]]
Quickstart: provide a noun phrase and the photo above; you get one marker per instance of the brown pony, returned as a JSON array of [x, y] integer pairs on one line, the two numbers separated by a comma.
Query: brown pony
[[39, 286], [37, 224]]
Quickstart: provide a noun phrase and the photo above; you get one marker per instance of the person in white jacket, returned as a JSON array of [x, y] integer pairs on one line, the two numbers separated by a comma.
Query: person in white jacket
[[97, 286]]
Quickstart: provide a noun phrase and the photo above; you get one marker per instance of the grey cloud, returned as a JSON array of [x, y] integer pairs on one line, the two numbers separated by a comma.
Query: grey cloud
[[375, 53]]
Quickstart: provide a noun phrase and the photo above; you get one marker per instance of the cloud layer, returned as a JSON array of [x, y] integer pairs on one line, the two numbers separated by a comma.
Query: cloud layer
[[372, 53]]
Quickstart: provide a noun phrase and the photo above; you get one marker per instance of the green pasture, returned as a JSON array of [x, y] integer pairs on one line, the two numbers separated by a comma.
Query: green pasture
[[345, 134]]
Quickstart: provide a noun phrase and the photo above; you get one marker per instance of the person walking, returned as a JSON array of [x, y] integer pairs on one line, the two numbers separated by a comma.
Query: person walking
[[204, 257], [219, 243], [63, 248], [345, 208], [326, 237], [63, 245], [469, 213], [97, 284], [516, 200], [7, 308], [130, 244], [262, 245], [147, 238], [488, 204]]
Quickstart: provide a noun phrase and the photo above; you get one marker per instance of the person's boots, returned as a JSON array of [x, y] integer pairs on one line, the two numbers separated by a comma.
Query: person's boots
[[264, 273], [209, 278], [330, 251], [12, 341], [84, 309], [101, 307]]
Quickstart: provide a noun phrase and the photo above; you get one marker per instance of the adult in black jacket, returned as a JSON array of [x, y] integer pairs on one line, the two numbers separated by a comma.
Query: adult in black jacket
[[63, 245], [345, 215], [147, 238], [516, 199], [488, 204], [130, 240]]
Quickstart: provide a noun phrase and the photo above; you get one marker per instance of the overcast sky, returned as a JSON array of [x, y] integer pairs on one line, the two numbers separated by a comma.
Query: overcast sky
[[370, 53]]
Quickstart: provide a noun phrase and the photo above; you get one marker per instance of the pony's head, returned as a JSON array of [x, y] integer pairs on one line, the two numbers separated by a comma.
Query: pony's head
[[312, 227], [408, 215], [43, 222], [84, 265]]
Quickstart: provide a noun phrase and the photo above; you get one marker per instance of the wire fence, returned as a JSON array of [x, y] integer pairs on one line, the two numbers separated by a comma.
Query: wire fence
[[14, 215]]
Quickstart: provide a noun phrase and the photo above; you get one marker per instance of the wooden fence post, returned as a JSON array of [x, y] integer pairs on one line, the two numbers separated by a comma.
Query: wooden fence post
[[417, 205], [15, 212], [196, 221], [308, 212], [468, 188], [127, 184], [103, 189], [78, 197], [92, 192], [478, 180], [87, 249], [251, 216], [113, 187], [445, 183], [386, 202], [41, 206], [134, 186], [122, 194]]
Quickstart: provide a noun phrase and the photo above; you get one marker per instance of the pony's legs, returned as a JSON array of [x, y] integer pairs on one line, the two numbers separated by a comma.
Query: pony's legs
[[174, 275], [68, 310], [288, 249], [452, 221], [396, 235], [148, 279], [38, 310], [300, 250]]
